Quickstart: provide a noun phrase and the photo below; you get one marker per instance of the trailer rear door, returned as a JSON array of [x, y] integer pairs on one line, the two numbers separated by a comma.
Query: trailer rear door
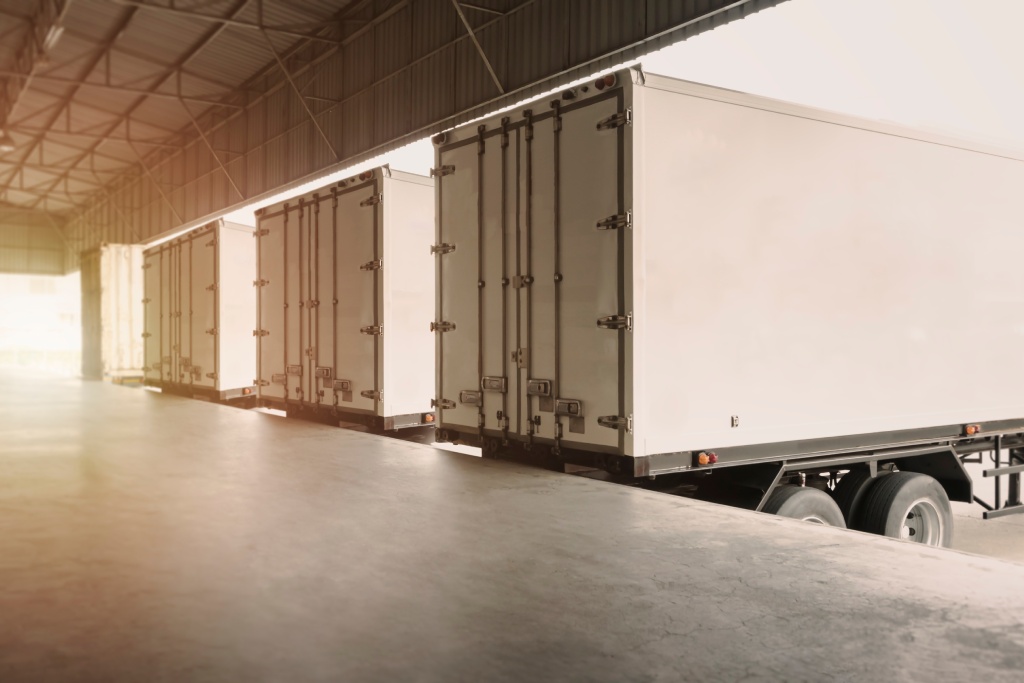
[[531, 310], [152, 319]]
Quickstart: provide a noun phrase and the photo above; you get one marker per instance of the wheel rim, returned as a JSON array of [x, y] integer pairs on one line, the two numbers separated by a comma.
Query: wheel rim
[[922, 524]]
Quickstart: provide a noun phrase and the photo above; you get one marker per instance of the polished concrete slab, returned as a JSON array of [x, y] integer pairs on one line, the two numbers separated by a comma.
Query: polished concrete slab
[[154, 538]]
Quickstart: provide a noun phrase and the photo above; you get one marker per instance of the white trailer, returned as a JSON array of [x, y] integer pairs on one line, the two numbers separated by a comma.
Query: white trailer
[[345, 302], [200, 314], [653, 277], [111, 278]]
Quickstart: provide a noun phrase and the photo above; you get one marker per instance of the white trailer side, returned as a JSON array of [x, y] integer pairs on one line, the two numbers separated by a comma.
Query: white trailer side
[[345, 301], [643, 270]]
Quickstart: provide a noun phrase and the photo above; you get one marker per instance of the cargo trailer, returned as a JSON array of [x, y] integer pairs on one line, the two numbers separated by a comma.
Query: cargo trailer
[[345, 301], [200, 306], [672, 282], [111, 285]]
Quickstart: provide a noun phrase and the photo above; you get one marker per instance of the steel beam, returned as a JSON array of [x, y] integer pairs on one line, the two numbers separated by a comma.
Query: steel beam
[[227, 22], [43, 78], [479, 47]]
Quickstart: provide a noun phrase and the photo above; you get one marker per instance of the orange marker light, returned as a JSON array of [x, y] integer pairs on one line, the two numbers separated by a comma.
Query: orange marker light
[[971, 430], [703, 459], [429, 417]]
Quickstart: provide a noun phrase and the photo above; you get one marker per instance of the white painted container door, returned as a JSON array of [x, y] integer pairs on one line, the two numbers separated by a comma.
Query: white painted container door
[[573, 318], [203, 308], [530, 310], [459, 272], [356, 351], [270, 345], [152, 320]]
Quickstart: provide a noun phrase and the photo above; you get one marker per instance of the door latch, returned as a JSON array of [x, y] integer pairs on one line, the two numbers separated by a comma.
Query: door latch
[[616, 322], [616, 422], [619, 220]]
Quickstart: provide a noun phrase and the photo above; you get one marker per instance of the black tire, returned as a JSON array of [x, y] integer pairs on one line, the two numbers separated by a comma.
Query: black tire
[[849, 494], [803, 503], [910, 506]]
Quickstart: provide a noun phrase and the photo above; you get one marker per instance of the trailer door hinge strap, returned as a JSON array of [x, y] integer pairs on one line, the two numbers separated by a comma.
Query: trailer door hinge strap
[[260, 333], [442, 171], [212, 330], [442, 249], [443, 403], [212, 287], [147, 266], [372, 329], [619, 220], [261, 233], [146, 335], [371, 201], [261, 383], [370, 393], [443, 326], [260, 283], [621, 119], [372, 265], [616, 322], [146, 301], [212, 375], [616, 422], [211, 243]]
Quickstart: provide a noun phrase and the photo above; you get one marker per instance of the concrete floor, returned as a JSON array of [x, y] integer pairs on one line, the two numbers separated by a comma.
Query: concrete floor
[[154, 538]]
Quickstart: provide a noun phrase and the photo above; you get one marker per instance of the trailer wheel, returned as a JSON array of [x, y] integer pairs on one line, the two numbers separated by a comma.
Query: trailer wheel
[[850, 491], [806, 504], [910, 506]]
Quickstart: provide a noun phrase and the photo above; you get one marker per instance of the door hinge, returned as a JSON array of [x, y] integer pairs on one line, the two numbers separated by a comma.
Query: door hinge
[[211, 243], [212, 375], [443, 326], [442, 249], [372, 265], [616, 322], [370, 393], [521, 357], [372, 200], [146, 301], [212, 330], [623, 118], [260, 333], [261, 233], [443, 404], [616, 422], [146, 335], [261, 383], [212, 288], [619, 220], [442, 171], [147, 266], [260, 283], [372, 329]]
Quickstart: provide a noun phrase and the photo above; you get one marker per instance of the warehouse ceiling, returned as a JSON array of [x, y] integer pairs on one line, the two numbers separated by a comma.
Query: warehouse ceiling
[[126, 120], [91, 87]]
